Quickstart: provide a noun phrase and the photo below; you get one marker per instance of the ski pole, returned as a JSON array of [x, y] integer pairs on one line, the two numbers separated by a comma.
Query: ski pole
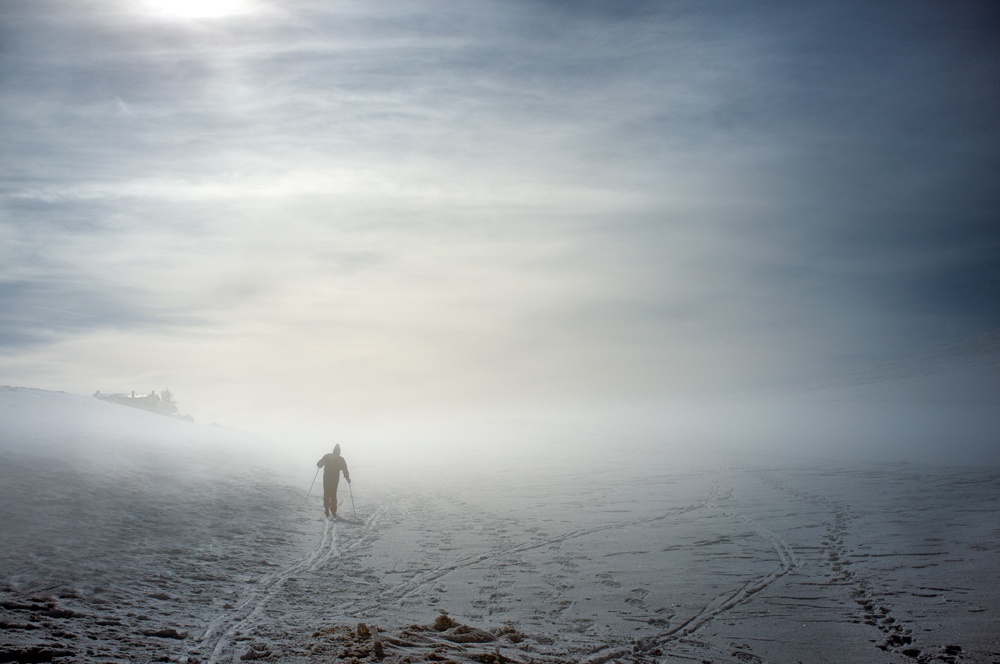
[[352, 500], [311, 488]]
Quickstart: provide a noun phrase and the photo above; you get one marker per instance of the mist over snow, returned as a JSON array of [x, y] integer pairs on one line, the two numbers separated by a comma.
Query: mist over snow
[[937, 406]]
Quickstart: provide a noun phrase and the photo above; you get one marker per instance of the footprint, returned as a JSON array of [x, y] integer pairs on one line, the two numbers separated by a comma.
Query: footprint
[[637, 597], [607, 579]]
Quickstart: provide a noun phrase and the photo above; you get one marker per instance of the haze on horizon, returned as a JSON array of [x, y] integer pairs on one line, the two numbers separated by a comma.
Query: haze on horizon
[[356, 217]]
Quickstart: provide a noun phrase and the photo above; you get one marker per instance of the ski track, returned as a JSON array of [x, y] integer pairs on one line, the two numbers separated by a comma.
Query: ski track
[[721, 603], [421, 581], [244, 616], [334, 544]]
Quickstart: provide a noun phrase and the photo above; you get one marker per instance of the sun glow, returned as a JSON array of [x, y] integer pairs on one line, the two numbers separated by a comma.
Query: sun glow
[[196, 8]]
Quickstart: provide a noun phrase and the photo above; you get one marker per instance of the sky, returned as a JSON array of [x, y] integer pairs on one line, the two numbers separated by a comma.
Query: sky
[[355, 214]]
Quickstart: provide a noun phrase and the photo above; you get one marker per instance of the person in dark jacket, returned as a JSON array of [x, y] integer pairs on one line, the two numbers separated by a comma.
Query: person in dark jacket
[[332, 465]]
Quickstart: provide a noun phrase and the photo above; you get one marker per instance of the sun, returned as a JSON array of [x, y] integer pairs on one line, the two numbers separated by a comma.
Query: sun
[[196, 8]]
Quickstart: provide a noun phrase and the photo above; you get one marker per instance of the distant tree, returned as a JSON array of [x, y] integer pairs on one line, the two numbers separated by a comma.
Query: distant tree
[[167, 405]]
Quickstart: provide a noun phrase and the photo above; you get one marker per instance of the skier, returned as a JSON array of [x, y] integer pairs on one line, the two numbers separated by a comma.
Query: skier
[[332, 465]]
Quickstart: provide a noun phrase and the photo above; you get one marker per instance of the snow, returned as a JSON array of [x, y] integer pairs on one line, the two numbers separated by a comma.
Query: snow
[[128, 536]]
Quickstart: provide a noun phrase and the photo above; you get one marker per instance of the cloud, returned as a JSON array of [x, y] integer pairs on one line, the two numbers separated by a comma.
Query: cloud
[[492, 203]]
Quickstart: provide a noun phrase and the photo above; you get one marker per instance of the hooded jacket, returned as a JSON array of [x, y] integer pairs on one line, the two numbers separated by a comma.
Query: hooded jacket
[[333, 464]]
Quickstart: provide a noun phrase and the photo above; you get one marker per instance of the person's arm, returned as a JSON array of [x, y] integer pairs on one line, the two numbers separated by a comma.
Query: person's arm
[[321, 462], [347, 475]]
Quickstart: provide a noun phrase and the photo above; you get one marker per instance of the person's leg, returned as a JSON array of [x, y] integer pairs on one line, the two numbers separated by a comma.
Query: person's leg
[[333, 498]]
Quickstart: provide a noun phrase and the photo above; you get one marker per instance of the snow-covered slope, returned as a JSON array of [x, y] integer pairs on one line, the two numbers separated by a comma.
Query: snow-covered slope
[[128, 537], [42, 422], [117, 525]]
